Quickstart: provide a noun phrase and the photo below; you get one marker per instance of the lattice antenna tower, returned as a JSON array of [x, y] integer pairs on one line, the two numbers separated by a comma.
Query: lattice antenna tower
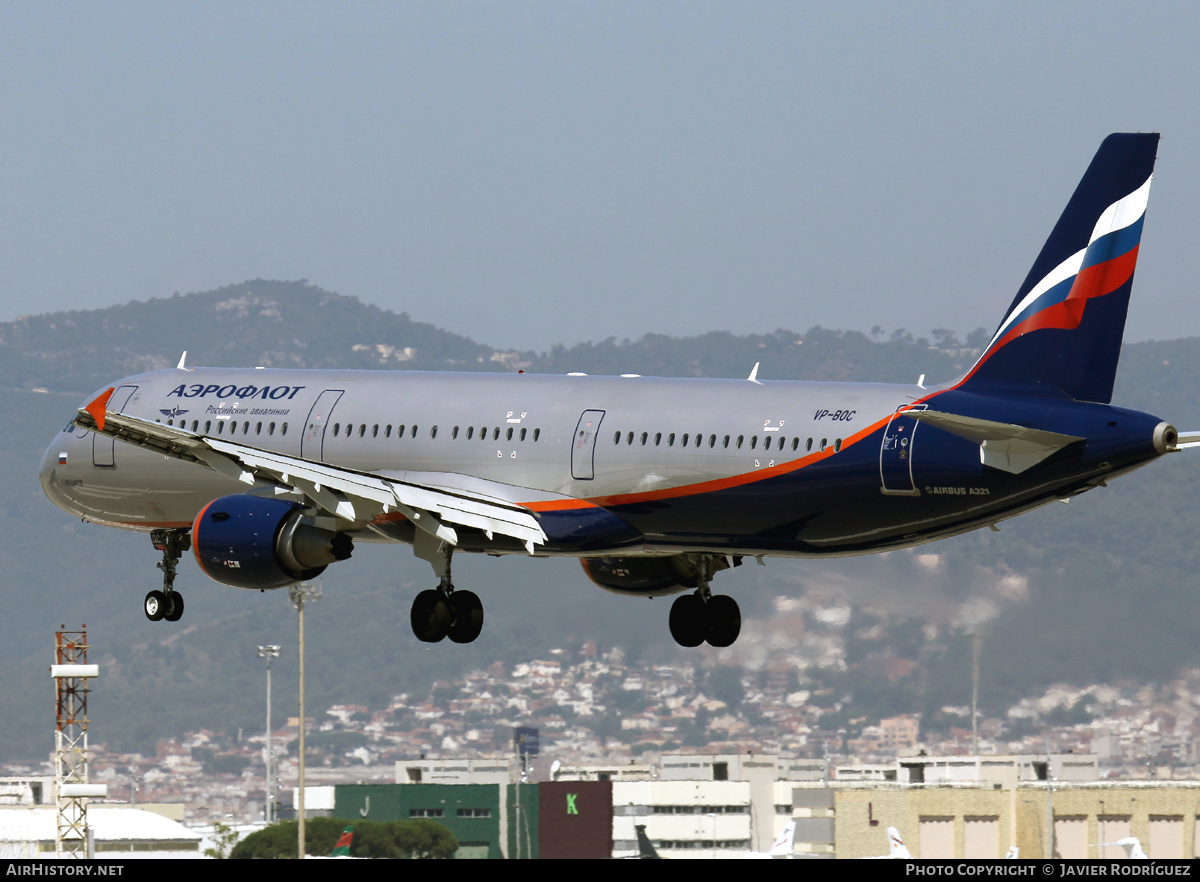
[[72, 673]]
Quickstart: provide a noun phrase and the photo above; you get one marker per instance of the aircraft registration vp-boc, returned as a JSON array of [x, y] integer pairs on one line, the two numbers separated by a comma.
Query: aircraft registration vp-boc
[[656, 485]]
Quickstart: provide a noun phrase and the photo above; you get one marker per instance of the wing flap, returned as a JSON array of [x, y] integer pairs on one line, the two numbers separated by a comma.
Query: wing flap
[[347, 494], [1005, 446]]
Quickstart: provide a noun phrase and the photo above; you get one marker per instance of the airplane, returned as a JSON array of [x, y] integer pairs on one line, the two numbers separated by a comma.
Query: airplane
[[1131, 844], [646, 849], [781, 847], [655, 485], [897, 850]]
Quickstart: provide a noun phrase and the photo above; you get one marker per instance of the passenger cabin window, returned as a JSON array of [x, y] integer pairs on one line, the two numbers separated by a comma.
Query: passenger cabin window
[[433, 432], [523, 434]]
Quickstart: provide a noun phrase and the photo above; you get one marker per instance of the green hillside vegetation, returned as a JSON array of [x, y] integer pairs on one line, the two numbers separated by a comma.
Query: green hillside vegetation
[[1108, 581]]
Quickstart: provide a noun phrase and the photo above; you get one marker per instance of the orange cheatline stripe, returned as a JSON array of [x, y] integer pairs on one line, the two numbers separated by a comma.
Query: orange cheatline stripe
[[742, 479], [558, 505]]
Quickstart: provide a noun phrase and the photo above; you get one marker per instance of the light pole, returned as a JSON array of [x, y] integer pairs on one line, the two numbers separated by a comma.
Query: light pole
[[269, 652], [299, 595]]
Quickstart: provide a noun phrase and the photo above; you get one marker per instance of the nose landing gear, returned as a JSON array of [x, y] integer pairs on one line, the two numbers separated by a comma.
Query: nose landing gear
[[168, 603]]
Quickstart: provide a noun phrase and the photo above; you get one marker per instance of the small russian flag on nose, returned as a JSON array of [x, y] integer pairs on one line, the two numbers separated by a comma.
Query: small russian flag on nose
[[62, 458]]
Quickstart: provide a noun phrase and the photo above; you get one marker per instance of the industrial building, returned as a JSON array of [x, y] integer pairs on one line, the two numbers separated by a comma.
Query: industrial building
[[715, 806]]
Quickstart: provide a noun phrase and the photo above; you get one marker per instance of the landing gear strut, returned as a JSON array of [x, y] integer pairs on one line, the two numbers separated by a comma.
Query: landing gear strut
[[703, 616], [168, 603], [442, 612]]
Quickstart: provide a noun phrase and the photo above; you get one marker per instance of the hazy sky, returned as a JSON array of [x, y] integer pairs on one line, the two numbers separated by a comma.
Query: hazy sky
[[529, 173]]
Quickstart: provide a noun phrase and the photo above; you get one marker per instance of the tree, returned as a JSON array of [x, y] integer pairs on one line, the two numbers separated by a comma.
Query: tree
[[372, 839], [224, 839]]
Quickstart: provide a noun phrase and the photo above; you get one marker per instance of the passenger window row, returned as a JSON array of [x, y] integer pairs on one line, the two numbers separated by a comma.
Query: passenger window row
[[510, 432], [698, 441], [230, 427]]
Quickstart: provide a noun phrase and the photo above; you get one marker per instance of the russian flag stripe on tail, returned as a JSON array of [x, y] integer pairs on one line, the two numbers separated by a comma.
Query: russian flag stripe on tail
[[1062, 334]]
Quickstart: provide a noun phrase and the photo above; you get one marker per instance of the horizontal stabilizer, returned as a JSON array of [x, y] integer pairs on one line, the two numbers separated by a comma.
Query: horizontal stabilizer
[[1005, 446], [1187, 439]]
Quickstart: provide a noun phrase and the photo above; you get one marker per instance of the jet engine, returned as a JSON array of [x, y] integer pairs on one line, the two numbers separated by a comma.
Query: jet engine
[[650, 576], [255, 542]]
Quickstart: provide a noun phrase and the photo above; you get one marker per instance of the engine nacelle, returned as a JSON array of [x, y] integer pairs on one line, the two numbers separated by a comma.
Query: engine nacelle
[[654, 576], [641, 576], [256, 542]]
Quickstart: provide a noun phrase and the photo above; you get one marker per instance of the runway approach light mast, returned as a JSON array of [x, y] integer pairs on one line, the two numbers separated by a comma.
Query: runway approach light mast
[[71, 674]]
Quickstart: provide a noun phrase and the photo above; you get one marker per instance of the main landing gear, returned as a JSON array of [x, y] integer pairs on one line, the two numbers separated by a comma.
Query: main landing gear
[[442, 612], [168, 603], [703, 616]]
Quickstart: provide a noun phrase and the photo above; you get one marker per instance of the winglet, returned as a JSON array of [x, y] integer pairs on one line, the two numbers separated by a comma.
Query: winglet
[[182, 366], [99, 408], [753, 378]]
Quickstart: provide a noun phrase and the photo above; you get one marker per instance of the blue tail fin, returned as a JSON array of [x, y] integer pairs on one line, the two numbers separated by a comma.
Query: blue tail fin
[[1062, 334]]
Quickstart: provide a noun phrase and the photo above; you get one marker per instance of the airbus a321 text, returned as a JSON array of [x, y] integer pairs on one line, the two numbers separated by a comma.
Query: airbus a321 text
[[656, 485]]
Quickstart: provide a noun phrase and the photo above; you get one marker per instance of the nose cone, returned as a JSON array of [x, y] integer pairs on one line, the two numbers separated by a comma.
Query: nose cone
[[56, 462]]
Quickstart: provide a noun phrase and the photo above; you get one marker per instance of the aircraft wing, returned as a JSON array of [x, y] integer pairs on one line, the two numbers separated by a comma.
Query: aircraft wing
[[1005, 446], [349, 495]]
